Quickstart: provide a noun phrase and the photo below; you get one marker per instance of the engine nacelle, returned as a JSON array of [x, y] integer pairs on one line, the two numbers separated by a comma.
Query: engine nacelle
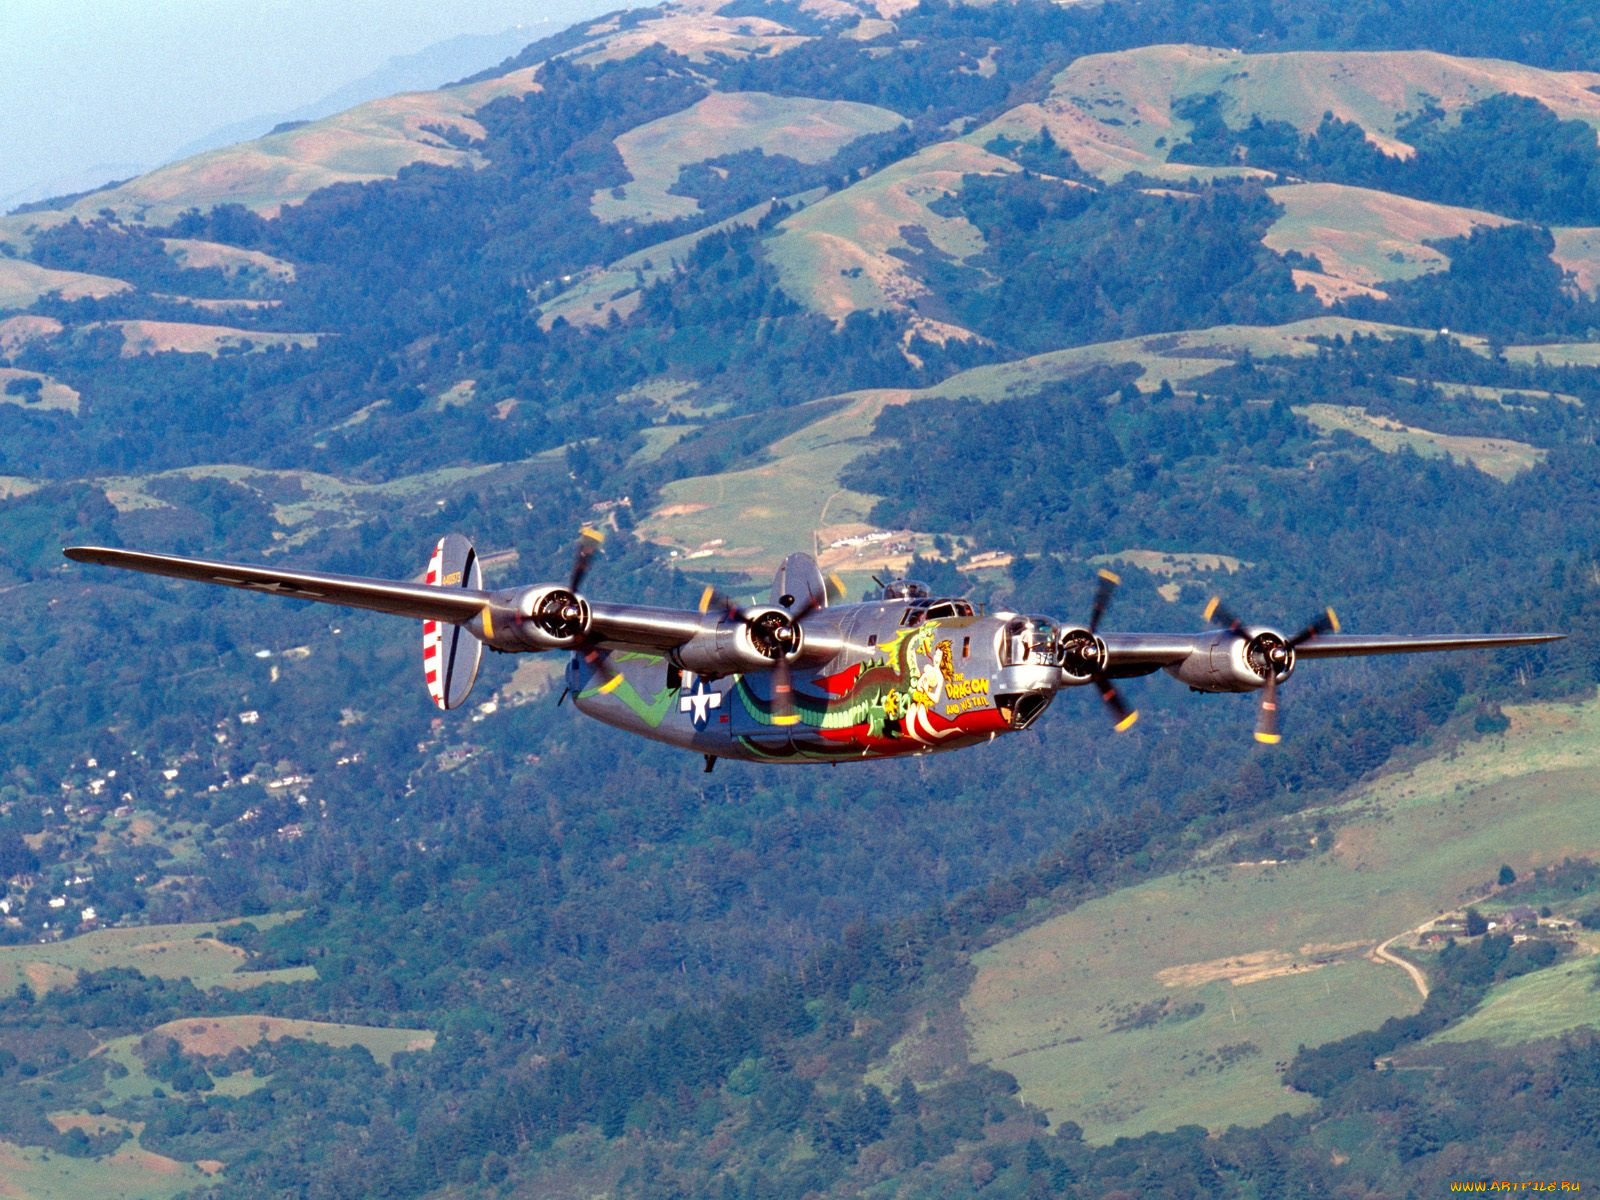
[[1236, 662], [549, 617], [1080, 654], [765, 636]]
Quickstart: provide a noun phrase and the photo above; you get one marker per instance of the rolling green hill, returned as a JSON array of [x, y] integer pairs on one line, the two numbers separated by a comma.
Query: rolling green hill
[[1019, 290], [1189, 992]]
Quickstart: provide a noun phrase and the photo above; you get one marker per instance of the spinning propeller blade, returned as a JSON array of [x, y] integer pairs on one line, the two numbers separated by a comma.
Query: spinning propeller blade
[[589, 542], [784, 635], [1279, 657], [1122, 717]]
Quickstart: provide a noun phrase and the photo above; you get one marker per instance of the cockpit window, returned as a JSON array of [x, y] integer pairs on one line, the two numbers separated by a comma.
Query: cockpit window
[[906, 589], [921, 610]]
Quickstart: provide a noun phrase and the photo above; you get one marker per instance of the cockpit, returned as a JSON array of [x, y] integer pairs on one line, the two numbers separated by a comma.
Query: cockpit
[[1029, 641], [906, 589], [920, 603]]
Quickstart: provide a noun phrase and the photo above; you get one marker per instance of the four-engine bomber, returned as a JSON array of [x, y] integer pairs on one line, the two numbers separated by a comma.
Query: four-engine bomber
[[804, 678]]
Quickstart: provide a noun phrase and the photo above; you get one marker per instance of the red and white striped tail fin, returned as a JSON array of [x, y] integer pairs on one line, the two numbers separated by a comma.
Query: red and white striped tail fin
[[450, 655]]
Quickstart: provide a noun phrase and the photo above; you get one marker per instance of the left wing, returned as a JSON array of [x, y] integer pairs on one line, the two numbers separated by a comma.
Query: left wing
[[542, 617], [422, 601]]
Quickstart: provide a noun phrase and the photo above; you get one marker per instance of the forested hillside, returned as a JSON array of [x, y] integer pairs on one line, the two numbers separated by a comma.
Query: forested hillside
[[1299, 302]]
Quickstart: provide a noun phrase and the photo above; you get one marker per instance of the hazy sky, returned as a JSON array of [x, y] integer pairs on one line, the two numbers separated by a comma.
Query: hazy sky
[[92, 83]]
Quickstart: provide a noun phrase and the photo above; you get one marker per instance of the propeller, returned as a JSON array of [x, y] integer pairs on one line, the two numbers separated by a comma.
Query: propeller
[[1089, 653], [775, 634], [590, 540], [1278, 654]]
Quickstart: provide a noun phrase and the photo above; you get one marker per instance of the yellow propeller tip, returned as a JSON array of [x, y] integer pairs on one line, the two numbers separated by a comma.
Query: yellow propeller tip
[[1333, 619], [1111, 577], [705, 598], [1268, 739], [610, 685], [1211, 607], [593, 534], [1127, 722]]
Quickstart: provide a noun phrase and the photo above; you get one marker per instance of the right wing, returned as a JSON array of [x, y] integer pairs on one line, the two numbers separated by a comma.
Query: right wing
[[1138, 652]]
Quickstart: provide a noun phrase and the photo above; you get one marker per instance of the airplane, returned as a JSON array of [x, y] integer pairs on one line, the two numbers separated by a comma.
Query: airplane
[[804, 678]]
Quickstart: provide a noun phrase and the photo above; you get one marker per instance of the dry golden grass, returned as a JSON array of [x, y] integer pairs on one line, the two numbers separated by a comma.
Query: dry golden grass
[[1240, 969], [811, 131], [155, 337], [369, 142], [231, 260], [17, 332], [1174, 563], [1578, 251], [693, 29], [53, 395], [838, 256], [24, 283], [1364, 238], [218, 1036], [1114, 111], [1500, 457]]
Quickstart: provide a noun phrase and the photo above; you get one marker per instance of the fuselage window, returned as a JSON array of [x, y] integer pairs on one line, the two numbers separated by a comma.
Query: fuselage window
[[1028, 640], [966, 647]]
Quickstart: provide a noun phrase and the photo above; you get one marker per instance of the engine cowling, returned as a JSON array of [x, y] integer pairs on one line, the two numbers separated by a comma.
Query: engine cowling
[[764, 636], [1080, 654], [1236, 662], [548, 617]]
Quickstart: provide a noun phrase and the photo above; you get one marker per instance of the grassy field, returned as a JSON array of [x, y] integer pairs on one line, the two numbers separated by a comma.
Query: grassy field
[[1366, 237], [592, 299], [28, 1173], [305, 502], [24, 283], [1179, 1000], [220, 1036], [1569, 354], [779, 506], [764, 512], [189, 952], [155, 337], [839, 255], [53, 394], [369, 142], [689, 30], [1114, 111], [1578, 251], [1500, 457], [231, 260], [1544, 1004], [811, 131]]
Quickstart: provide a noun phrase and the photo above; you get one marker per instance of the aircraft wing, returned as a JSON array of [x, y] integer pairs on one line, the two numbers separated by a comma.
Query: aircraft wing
[[1344, 645], [419, 600], [1145, 651], [615, 626]]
